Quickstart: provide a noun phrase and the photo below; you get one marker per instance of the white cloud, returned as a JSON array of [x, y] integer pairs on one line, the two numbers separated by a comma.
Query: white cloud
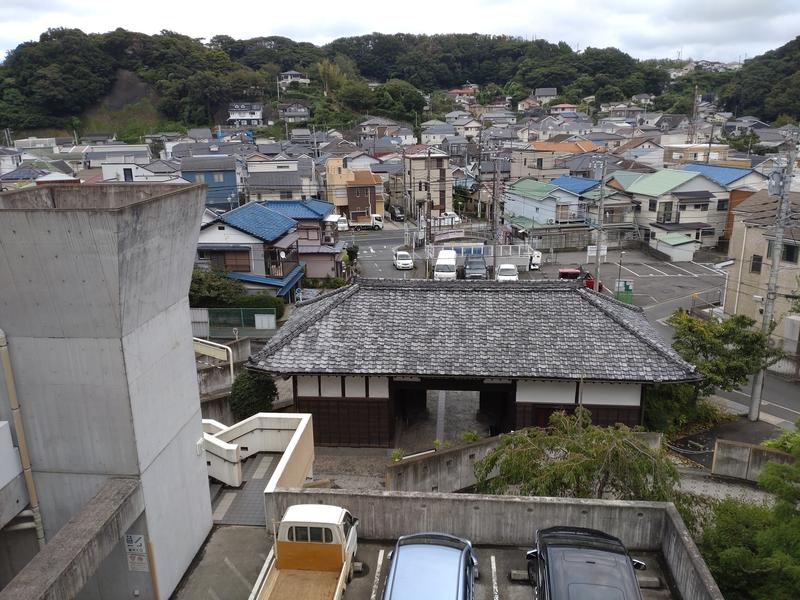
[[713, 30]]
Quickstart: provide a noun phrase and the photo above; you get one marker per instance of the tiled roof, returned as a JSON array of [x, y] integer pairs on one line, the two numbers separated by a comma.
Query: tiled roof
[[760, 209], [566, 147], [721, 175], [208, 163], [259, 221], [300, 209], [576, 185], [541, 330]]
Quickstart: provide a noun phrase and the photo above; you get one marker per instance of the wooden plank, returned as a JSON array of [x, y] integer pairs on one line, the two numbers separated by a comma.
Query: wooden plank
[[297, 585], [309, 556]]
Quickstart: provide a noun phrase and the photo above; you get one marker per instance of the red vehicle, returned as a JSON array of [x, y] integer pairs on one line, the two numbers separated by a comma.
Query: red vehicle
[[579, 273]]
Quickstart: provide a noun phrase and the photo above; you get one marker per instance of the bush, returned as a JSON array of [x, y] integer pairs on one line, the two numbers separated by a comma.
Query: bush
[[212, 289], [252, 393], [672, 409], [470, 436], [788, 441], [398, 454], [263, 300]]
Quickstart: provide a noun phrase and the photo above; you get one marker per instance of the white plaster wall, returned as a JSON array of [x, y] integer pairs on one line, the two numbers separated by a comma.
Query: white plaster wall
[[378, 387], [612, 394], [330, 386], [546, 392], [355, 387], [307, 385], [177, 504]]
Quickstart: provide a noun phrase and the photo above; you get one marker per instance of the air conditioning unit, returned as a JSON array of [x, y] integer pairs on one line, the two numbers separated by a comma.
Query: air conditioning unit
[[328, 239]]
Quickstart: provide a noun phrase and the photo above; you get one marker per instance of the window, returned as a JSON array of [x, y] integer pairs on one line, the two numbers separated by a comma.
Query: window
[[315, 534], [283, 166], [755, 263], [700, 206], [539, 163], [127, 174], [722, 205], [286, 195], [199, 177], [682, 207], [652, 205], [219, 177], [789, 254], [298, 534]]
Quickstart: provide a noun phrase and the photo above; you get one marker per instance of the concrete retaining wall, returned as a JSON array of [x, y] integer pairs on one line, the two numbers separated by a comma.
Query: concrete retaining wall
[[513, 520], [743, 461], [453, 469]]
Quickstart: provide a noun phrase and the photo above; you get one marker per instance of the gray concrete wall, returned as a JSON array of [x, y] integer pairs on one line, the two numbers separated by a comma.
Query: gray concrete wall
[[744, 461], [453, 469], [99, 332], [513, 520]]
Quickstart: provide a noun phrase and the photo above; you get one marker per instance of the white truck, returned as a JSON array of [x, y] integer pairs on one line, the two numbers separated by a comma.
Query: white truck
[[366, 222], [313, 555]]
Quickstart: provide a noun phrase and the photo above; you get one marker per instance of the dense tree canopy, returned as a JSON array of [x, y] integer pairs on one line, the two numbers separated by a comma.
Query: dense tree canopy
[[47, 82]]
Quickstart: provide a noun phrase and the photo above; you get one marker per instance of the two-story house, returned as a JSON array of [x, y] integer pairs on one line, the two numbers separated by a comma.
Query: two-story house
[[290, 77], [426, 173], [255, 245], [545, 95], [529, 204], [673, 201], [467, 127], [223, 175], [433, 135], [281, 177], [539, 159], [499, 117], [455, 115], [319, 246], [642, 149], [241, 113], [294, 112]]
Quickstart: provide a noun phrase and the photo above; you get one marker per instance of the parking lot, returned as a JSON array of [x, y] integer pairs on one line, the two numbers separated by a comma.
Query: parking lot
[[229, 564]]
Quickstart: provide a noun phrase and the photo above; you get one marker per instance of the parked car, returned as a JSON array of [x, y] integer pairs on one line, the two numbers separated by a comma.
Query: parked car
[[445, 267], [341, 224], [396, 213], [474, 267], [575, 562], [579, 273], [431, 566], [507, 272], [535, 262], [403, 260]]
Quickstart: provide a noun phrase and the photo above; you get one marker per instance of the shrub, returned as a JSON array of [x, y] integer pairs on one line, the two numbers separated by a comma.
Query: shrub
[[252, 393], [212, 289], [398, 454], [671, 408], [263, 300], [788, 441], [470, 436]]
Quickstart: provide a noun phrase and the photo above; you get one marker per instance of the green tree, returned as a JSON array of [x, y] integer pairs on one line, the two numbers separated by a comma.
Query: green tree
[[252, 392], [212, 289], [573, 458], [331, 75], [725, 352]]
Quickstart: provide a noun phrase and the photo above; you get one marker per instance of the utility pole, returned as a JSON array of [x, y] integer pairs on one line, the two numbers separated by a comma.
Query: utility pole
[[784, 205], [428, 197], [710, 139], [600, 218], [495, 219]]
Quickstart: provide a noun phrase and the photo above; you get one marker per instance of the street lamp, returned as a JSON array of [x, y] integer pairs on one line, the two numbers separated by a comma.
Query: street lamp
[[619, 271]]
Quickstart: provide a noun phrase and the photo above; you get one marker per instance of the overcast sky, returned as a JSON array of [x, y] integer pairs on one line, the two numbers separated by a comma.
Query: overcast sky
[[724, 30]]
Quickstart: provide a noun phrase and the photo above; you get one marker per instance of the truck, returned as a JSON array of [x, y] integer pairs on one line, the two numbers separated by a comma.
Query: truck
[[366, 222], [313, 556]]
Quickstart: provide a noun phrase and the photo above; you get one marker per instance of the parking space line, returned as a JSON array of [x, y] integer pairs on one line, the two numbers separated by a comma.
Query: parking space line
[[213, 594], [634, 273], [706, 268], [657, 270], [684, 270], [374, 595], [238, 574], [495, 589]]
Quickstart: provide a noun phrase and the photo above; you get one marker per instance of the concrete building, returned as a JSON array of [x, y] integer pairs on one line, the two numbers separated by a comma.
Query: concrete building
[[355, 374], [105, 375], [422, 164]]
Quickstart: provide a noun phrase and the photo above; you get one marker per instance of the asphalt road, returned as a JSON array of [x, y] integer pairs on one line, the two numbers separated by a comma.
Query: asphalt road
[[658, 287]]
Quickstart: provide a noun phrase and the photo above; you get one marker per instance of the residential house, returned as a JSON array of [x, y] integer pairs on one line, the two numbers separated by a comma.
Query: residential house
[[589, 164], [678, 154], [552, 125], [255, 245], [300, 136], [319, 246], [426, 174], [465, 96], [455, 115], [467, 127], [21, 177], [601, 138], [281, 177], [563, 108], [740, 183], [617, 207], [224, 176], [184, 149], [405, 135], [98, 139], [673, 201], [751, 249], [339, 147], [10, 159], [538, 160], [499, 117], [352, 187], [545, 95], [434, 134], [288, 78], [160, 171], [625, 111], [527, 104], [50, 143], [375, 128], [294, 112], [643, 150], [643, 99], [241, 113], [364, 195], [530, 205], [200, 134], [95, 156], [456, 146]]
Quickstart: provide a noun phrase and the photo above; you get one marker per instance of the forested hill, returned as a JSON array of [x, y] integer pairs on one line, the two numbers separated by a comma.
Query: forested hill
[[52, 82]]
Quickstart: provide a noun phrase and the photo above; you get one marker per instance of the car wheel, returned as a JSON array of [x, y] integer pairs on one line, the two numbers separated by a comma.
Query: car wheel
[[375, 228], [357, 228]]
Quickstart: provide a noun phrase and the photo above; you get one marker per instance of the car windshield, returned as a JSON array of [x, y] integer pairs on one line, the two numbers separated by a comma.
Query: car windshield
[[445, 268], [403, 256], [507, 271], [475, 263]]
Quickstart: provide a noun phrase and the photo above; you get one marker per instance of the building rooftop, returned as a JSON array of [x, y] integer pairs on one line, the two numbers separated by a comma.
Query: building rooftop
[[539, 330], [301, 209], [576, 185], [720, 175], [531, 188], [660, 182], [257, 220]]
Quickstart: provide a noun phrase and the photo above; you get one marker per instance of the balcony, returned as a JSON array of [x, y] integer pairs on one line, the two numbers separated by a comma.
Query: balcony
[[670, 215]]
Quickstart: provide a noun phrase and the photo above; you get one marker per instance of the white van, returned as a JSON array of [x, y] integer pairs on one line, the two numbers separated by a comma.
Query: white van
[[445, 269], [341, 224]]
